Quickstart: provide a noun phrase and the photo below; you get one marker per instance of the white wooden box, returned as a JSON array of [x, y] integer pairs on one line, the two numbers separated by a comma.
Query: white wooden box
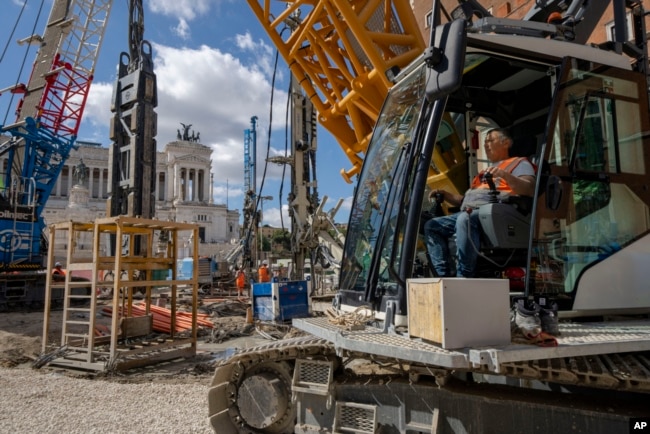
[[458, 312]]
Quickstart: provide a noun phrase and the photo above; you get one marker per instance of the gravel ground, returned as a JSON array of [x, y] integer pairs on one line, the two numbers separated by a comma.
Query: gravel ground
[[169, 397], [42, 401]]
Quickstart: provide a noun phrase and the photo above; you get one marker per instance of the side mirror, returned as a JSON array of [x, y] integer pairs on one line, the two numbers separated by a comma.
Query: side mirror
[[553, 192], [446, 59]]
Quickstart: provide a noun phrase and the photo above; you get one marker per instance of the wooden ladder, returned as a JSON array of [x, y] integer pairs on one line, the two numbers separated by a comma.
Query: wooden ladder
[[79, 308]]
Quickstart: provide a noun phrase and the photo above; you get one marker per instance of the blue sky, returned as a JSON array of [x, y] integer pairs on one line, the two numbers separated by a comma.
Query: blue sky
[[214, 67]]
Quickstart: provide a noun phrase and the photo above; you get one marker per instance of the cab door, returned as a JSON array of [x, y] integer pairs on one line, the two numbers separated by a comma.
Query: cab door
[[591, 249]]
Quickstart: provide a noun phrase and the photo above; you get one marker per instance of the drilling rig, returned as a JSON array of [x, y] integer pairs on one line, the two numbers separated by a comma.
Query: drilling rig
[[48, 117], [408, 351]]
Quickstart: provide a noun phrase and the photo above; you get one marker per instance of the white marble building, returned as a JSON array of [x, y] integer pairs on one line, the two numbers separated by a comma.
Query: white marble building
[[183, 192]]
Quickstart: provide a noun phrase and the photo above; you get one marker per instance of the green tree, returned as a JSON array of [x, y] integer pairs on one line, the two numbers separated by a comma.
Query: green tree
[[282, 238], [266, 244]]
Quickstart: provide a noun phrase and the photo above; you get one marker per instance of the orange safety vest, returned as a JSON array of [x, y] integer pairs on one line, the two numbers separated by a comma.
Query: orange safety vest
[[263, 274], [506, 165], [241, 279]]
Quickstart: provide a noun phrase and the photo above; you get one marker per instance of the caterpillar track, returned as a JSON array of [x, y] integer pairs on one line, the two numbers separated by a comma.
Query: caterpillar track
[[256, 389], [273, 366]]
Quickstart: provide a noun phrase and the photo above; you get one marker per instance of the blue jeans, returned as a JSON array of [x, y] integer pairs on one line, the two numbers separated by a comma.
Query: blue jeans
[[437, 232]]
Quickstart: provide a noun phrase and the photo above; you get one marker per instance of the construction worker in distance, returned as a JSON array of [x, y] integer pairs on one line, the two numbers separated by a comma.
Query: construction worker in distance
[[263, 272], [58, 270], [241, 281]]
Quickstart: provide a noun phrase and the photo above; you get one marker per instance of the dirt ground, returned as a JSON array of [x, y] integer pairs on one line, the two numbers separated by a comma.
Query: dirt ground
[[166, 397], [21, 336]]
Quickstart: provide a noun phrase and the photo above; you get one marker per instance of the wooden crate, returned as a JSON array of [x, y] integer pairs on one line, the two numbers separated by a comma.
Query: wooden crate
[[458, 313]]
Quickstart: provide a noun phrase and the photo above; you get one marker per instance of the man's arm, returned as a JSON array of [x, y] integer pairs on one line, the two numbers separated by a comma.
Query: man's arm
[[521, 185], [452, 198]]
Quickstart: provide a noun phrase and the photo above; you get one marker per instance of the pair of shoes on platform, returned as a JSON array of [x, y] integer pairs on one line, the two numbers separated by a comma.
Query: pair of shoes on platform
[[532, 319]]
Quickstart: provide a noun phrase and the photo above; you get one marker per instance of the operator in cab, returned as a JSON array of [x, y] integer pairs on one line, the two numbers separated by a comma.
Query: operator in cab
[[263, 272], [511, 176]]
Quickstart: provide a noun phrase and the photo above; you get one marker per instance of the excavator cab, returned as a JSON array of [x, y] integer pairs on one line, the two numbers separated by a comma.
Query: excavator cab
[[591, 160]]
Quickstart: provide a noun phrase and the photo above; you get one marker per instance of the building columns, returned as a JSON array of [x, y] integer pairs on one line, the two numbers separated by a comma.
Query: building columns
[[176, 181], [91, 178], [211, 189]]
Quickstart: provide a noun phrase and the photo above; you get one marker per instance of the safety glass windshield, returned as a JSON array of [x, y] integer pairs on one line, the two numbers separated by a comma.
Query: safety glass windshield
[[394, 132]]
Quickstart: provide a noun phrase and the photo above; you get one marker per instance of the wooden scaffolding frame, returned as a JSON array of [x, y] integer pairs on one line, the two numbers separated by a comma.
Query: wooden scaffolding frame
[[126, 344]]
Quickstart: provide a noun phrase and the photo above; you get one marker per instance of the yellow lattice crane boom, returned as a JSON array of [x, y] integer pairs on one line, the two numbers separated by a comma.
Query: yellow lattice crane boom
[[340, 51]]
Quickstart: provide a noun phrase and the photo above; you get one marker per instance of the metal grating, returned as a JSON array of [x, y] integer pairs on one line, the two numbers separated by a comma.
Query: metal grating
[[610, 355], [312, 376], [373, 341], [376, 23], [351, 417]]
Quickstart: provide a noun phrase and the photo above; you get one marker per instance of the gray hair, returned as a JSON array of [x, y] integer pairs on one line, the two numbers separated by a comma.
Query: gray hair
[[503, 133]]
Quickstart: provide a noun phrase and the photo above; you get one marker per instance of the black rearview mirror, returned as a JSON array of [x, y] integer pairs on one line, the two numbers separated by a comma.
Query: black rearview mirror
[[446, 59]]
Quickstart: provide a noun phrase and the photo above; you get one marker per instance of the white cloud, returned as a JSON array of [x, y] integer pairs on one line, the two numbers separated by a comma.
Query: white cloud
[[245, 42], [262, 52], [182, 30], [183, 9], [216, 93], [98, 111], [272, 214]]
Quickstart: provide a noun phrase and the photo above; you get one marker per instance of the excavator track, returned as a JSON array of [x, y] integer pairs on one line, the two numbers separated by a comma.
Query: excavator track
[[272, 364], [255, 391], [629, 372]]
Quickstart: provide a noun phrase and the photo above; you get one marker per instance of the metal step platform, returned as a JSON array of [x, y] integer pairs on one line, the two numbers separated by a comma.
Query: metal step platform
[[587, 353]]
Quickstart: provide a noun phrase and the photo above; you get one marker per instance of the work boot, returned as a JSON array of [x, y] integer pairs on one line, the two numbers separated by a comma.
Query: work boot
[[550, 321], [527, 318]]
